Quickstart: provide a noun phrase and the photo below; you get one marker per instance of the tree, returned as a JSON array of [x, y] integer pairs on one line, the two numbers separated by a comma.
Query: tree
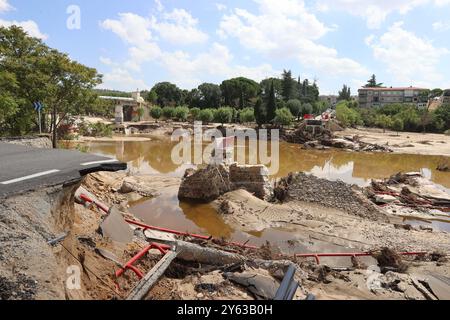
[[156, 113], [383, 121], [141, 113], [265, 87], [39, 73], [306, 108], [151, 97], [345, 93], [168, 112], [397, 124], [181, 113], [260, 112], [167, 94], [425, 119], [283, 117], [436, 93], [271, 105], [441, 116], [247, 115], [372, 83], [195, 112], [239, 92], [206, 116], [347, 116], [223, 115], [295, 106], [287, 85], [209, 95]]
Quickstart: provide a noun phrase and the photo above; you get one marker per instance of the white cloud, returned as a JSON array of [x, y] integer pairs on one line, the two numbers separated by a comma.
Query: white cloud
[[376, 11], [286, 29], [131, 28], [409, 58], [221, 7], [441, 25], [5, 6], [179, 27], [30, 26], [159, 5], [121, 79], [216, 63]]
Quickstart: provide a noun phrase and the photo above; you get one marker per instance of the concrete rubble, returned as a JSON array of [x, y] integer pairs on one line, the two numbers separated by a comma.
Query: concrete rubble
[[210, 183]]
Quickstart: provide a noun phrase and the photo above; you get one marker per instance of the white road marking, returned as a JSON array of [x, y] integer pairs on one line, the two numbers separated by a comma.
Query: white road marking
[[98, 162], [40, 174]]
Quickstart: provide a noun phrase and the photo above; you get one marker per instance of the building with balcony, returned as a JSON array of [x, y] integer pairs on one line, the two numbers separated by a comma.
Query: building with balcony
[[377, 97]]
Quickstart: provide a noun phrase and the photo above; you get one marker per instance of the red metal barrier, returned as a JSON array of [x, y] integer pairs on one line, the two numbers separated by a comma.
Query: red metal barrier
[[350, 254], [101, 206], [198, 236], [129, 265]]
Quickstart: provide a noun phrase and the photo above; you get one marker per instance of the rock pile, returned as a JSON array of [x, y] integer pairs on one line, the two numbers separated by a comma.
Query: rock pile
[[333, 194]]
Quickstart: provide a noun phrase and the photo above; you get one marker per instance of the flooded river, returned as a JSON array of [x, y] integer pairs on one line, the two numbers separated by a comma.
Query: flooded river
[[154, 157]]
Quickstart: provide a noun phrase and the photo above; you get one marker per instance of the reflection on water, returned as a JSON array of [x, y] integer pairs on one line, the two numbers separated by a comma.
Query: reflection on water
[[154, 157]]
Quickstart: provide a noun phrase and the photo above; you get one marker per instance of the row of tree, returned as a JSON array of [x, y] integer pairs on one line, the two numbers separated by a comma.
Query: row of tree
[[238, 93], [398, 117]]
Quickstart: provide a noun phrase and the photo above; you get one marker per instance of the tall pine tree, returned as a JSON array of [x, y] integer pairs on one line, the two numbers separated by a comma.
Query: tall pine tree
[[287, 85], [271, 104]]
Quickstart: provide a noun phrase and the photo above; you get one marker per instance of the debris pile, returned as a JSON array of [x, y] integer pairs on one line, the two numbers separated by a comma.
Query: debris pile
[[322, 138], [408, 190], [209, 183], [334, 194]]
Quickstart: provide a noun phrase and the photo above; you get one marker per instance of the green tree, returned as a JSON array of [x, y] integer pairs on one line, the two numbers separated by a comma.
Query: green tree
[[181, 113], [168, 112], [247, 115], [265, 87], [437, 92], [151, 97], [209, 95], [306, 108], [345, 93], [156, 112], [295, 106], [141, 113], [224, 115], [397, 124], [283, 117], [239, 92], [372, 83], [347, 116], [206, 116], [384, 121], [194, 113], [287, 85], [167, 94], [260, 112], [441, 117], [271, 105], [40, 73]]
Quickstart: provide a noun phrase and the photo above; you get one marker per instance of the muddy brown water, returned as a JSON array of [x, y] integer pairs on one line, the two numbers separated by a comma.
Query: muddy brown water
[[154, 157]]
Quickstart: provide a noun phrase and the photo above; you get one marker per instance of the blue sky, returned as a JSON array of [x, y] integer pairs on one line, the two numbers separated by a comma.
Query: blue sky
[[138, 43]]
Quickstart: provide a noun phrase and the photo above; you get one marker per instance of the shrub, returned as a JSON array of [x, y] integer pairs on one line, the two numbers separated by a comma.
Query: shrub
[[295, 106], [347, 116], [156, 113], [224, 115], [181, 113], [195, 112], [283, 117], [98, 129], [247, 115], [168, 112], [206, 115]]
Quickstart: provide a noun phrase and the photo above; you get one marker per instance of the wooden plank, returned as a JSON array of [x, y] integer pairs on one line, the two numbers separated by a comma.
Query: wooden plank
[[143, 287]]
